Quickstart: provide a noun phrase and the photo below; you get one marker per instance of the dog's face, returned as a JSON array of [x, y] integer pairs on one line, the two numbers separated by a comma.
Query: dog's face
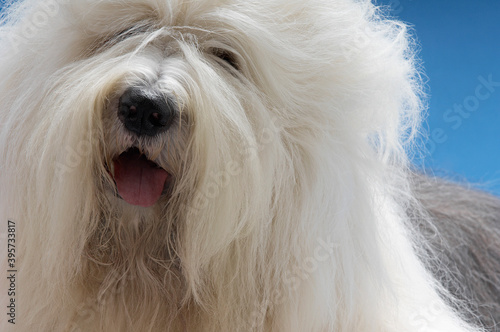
[[191, 110], [214, 116], [182, 103], [201, 112]]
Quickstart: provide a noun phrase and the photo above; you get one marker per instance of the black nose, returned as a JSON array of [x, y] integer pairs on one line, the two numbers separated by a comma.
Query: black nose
[[146, 113]]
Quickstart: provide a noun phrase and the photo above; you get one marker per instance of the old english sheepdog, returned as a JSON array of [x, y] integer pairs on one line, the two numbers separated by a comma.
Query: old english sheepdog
[[227, 165]]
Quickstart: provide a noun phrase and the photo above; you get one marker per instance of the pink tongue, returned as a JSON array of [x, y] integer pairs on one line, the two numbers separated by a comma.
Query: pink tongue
[[139, 181]]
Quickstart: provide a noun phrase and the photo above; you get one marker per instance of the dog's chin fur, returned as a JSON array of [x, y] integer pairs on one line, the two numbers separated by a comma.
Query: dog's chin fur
[[286, 204]]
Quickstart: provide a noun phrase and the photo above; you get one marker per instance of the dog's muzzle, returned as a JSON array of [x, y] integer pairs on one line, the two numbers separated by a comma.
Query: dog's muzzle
[[140, 181]]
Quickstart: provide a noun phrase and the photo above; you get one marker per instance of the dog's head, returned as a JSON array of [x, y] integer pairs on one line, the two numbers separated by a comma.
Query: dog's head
[[176, 140], [214, 116], [160, 95]]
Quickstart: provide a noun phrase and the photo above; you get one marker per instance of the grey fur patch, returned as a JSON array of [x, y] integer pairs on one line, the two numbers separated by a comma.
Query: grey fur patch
[[464, 245]]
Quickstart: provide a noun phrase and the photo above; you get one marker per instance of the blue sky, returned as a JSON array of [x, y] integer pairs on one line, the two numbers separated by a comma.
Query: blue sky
[[460, 49]]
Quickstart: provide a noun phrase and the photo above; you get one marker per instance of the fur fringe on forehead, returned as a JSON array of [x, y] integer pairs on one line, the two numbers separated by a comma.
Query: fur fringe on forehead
[[287, 211]]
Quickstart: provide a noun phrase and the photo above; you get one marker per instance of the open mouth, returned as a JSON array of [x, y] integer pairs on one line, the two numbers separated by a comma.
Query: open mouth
[[139, 181]]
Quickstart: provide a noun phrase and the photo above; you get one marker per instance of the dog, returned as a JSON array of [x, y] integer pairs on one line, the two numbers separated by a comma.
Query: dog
[[228, 165]]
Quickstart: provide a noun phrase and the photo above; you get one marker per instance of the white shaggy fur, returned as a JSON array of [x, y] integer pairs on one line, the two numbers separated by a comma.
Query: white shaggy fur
[[287, 207]]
